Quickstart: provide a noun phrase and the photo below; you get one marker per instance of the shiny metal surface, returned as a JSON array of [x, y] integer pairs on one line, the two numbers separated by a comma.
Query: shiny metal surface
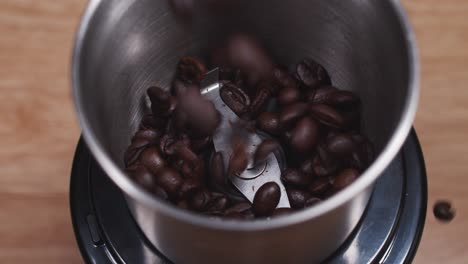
[[251, 179], [122, 47]]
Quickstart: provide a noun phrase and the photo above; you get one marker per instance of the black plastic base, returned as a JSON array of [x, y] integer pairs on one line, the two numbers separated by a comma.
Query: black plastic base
[[389, 231]]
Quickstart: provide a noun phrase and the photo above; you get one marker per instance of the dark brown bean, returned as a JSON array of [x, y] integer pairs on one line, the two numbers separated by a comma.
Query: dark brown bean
[[443, 211], [343, 98], [307, 167], [266, 199], [152, 159], [151, 122], [150, 134], [345, 178], [321, 95], [132, 154], [218, 204], [269, 122], [200, 200], [312, 201], [239, 159], [238, 208], [160, 192], [191, 70], [340, 144], [292, 113], [327, 115], [319, 186], [282, 212], [283, 78], [170, 180], [188, 188], [142, 176], [304, 135], [202, 116], [162, 103], [288, 95], [312, 74], [264, 92], [265, 148], [297, 198], [234, 97], [296, 178], [245, 53], [218, 178]]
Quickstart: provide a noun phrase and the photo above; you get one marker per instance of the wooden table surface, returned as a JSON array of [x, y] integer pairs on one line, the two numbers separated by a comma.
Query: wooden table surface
[[39, 131]]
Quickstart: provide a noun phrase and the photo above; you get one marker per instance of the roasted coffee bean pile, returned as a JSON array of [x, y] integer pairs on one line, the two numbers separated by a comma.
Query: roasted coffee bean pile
[[315, 124]]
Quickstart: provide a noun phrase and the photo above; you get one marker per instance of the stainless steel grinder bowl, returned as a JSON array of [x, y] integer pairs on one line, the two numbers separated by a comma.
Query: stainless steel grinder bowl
[[122, 47]]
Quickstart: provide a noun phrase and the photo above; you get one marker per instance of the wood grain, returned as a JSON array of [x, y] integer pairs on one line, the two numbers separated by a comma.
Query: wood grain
[[39, 131]]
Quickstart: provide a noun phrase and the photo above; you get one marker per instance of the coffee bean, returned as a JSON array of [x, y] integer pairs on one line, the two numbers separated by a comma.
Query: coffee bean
[[297, 198], [246, 53], [238, 208], [288, 95], [219, 204], [327, 115], [307, 167], [152, 159], [170, 180], [188, 188], [340, 144], [142, 177], [239, 159], [319, 186], [443, 211], [132, 154], [282, 77], [345, 178], [282, 212], [235, 98], [264, 92], [150, 134], [191, 70], [322, 95], [151, 122], [202, 116], [312, 74], [312, 201], [162, 103], [217, 170], [160, 192], [304, 136], [269, 122], [343, 98], [266, 199], [295, 177], [292, 113], [200, 200], [265, 148]]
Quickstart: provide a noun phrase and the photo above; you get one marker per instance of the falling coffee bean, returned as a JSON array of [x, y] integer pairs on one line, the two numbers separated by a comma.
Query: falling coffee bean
[[304, 135], [170, 180], [239, 159], [443, 211], [152, 159], [266, 199], [312, 74], [297, 198], [269, 122], [327, 115], [296, 178], [292, 113], [345, 178], [191, 70], [265, 148]]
